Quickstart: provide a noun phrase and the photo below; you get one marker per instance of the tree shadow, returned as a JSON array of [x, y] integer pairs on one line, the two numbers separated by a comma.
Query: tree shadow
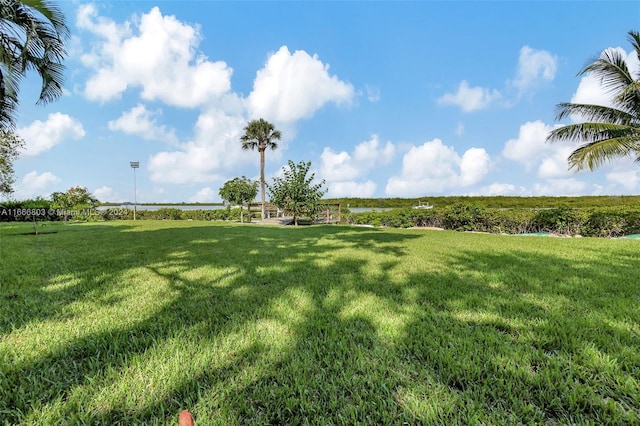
[[564, 345], [316, 325], [96, 276]]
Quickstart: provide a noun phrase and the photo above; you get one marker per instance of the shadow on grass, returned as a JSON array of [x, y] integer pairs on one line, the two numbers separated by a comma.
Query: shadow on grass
[[323, 324]]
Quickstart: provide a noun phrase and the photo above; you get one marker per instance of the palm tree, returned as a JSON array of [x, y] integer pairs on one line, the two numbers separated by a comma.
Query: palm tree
[[260, 134], [32, 37], [608, 132]]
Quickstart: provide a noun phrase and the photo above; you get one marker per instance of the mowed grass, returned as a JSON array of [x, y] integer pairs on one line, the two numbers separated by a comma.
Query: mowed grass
[[129, 323]]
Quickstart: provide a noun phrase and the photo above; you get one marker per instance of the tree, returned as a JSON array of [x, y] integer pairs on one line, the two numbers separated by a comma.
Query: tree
[[75, 201], [32, 37], [608, 132], [296, 193], [260, 134], [239, 191], [10, 144]]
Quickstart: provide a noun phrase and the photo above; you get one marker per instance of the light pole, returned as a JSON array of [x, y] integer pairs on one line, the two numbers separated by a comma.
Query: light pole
[[134, 166]]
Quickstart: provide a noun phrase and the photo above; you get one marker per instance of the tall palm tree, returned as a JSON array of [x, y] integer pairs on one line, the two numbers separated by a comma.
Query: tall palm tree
[[32, 37], [608, 132], [262, 135]]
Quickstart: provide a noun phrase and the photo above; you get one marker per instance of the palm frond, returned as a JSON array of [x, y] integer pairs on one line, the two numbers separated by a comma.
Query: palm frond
[[591, 132], [594, 154], [634, 39], [597, 113], [629, 100], [608, 132], [261, 134], [53, 15], [32, 37], [611, 69]]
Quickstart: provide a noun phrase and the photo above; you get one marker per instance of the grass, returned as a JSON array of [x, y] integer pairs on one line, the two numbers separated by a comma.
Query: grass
[[129, 323]]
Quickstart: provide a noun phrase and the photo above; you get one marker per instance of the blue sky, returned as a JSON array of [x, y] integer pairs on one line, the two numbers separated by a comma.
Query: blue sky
[[386, 99]]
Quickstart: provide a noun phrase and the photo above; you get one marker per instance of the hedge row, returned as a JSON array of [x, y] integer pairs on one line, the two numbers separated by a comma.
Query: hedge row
[[591, 222], [41, 210], [588, 222]]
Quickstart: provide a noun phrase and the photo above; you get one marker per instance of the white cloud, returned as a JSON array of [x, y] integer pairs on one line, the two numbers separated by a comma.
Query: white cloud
[[555, 165], [214, 150], [373, 93], [534, 66], [106, 194], [470, 98], [337, 166], [530, 149], [434, 167], [41, 136], [204, 195], [530, 146], [141, 122], [35, 184], [341, 170], [564, 187], [351, 189], [370, 153], [628, 179], [497, 188], [154, 52], [474, 166], [294, 86]]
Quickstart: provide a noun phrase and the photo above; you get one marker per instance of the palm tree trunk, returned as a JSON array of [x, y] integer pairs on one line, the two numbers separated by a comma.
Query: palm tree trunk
[[262, 188]]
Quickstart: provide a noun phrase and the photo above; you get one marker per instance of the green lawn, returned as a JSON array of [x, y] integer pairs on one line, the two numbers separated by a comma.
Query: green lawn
[[129, 323]]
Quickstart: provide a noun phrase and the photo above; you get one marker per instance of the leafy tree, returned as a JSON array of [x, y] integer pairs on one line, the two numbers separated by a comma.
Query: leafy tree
[[260, 134], [76, 199], [239, 191], [10, 144], [32, 37], [608, 132], [296, 193]]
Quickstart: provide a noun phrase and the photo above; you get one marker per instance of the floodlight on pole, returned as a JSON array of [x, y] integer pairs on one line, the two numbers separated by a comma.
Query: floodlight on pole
[[134, 166]]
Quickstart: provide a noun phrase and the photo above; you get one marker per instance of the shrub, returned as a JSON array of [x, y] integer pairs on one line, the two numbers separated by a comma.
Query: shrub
[[463, 217]]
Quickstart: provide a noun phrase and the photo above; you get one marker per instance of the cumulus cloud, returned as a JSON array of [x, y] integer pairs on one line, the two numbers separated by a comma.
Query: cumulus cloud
[[141, 122], [292, 86], [342, 170], [213, 151], [35, 184], [106, 194], [628, 179], [434, 167], [549, 163], [204, 195], [531, 150], [351, 189], [498, 188], [474, 166], [534, 66], [154, 52], [372, 152], [470, 98], [337, 166], [41, 136], [564, 187]]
